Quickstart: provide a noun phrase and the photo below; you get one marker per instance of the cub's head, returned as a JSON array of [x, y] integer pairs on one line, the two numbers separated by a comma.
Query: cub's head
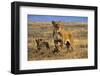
[[38, 41]]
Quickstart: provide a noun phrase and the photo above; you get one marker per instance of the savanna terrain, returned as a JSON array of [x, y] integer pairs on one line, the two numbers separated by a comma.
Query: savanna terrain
[[44, 30]]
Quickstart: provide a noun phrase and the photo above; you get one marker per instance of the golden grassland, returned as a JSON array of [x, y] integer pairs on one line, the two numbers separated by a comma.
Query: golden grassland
[[44, 30]]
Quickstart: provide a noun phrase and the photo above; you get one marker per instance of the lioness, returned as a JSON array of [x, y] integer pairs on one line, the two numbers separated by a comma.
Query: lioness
[[57, 38], [63, 35]]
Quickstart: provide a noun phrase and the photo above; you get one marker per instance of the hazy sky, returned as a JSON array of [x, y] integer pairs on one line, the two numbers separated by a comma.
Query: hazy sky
[[46, 18]]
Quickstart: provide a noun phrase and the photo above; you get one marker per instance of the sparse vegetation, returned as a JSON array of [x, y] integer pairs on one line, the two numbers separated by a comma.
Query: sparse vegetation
[[44, 30]]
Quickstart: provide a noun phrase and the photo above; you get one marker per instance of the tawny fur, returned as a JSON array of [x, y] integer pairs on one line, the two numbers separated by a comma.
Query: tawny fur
[[65, 36]]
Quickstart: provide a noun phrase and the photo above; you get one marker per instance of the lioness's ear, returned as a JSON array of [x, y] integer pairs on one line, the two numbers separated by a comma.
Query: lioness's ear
[[53, 22]]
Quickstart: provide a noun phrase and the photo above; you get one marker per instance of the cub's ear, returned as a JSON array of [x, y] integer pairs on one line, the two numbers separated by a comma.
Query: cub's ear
[[36, 40], [41, 39]]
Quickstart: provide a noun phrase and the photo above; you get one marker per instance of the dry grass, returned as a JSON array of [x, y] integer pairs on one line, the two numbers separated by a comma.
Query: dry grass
[[44, 30]]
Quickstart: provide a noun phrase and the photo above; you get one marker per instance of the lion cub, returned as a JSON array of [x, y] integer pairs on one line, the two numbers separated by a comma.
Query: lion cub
[[42, 44]]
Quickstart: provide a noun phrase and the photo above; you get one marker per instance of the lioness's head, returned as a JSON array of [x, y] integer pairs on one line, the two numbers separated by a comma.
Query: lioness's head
[[58, 25], [55, 24]]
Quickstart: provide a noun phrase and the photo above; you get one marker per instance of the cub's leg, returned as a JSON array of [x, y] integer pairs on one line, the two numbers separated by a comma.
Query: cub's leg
[[47, 45]]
